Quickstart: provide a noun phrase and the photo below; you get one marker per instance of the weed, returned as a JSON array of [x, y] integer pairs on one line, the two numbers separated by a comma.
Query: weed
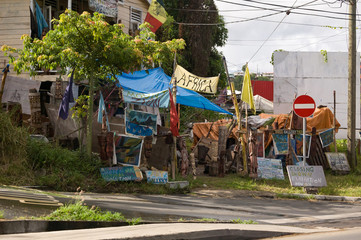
[[239, 221], [78, 211], [2, 214], [206, 220]]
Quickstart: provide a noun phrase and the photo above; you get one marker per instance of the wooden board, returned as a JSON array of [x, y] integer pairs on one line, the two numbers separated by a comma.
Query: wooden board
[[338, 161], [306, 176]]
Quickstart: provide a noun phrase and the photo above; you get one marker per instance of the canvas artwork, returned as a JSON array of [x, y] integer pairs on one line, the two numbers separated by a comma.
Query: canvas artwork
[[140, 123], [280, 143], [125, 173], [270, 168], [157, 177], [326, 137], [128, 149], [299, 145]]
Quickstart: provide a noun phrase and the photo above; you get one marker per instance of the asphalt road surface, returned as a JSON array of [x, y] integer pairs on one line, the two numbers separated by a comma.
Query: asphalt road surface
[[164, 208]]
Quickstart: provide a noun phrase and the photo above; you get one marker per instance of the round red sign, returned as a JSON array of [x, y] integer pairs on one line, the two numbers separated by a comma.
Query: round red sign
[[304, 106]]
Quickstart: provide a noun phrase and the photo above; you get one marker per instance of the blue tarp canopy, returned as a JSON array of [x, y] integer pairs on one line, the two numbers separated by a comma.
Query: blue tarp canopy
[[155, 80]]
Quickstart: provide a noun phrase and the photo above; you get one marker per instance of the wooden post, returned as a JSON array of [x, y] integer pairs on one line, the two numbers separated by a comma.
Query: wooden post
[[5, 71], [193, 163], [334, 120], [174, 93], [222, 144]]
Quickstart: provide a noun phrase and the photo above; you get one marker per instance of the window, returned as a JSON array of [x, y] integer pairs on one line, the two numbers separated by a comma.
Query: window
[[135, 20]]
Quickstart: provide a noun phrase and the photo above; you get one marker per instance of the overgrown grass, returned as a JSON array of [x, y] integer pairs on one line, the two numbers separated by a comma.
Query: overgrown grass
[[240, 221], [79, 212]]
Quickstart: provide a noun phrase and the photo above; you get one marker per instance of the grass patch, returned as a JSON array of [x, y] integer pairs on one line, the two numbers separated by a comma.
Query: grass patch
[[240, 221], [2, 214]]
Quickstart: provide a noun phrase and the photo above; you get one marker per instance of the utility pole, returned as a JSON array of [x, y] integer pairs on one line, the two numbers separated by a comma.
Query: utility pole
[[351, 104]]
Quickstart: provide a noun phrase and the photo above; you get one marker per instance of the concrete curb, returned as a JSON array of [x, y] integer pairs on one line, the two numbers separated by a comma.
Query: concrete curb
[[29, 226], [326, 197], [173, 231]]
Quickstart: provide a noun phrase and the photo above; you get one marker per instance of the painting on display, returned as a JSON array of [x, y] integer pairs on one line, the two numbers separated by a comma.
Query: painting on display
[[128, 149], [260, 145], [125, 173], [299, 145], [280, 143], [326, 137], [140, 123], [157, 177], [270, 168]]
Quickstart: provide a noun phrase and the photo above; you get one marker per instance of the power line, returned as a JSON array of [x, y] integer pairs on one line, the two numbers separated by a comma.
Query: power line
[[321, 40], [292, 23], [270, 34], [299, 7], [289, 10]]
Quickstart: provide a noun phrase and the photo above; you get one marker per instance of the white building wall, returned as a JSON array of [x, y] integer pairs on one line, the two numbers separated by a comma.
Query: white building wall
[[298, 73]]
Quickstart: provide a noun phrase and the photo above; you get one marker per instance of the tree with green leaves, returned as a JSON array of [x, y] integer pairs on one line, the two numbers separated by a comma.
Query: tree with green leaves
[[185, 21], [96, 50]]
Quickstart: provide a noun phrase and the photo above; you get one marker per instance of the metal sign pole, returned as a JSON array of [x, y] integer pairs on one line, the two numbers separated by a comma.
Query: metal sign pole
[[304, 141]]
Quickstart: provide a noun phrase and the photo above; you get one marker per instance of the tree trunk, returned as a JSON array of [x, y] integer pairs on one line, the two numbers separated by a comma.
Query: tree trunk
[[89, 129]]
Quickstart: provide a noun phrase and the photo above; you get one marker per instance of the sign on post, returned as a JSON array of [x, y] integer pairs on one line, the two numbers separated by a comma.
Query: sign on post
[[304, 106], [306, 176]]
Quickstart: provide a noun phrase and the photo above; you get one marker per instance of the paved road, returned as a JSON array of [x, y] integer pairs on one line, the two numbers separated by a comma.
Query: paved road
[[262, 210]]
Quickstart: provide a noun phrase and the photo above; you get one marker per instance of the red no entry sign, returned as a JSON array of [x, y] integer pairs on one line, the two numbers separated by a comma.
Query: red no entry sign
[[304, 106]]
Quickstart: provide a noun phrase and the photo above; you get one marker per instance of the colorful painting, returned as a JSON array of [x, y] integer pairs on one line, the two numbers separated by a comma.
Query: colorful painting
[[128, 149], [126, 173], [158, 99], [140, 123], [260, 145], [299, 145], [270, 168], [280, 143], [326, 137], [157, 177]]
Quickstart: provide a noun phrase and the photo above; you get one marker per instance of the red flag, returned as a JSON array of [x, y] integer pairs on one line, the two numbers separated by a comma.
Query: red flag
[[156, 15], [173, 116]]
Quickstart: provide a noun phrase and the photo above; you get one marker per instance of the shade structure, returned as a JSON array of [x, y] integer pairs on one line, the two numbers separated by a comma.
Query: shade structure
[[155, 80]]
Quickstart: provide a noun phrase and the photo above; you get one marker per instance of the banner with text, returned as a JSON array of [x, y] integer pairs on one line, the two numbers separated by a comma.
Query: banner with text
[[190, 81], [157, 99]]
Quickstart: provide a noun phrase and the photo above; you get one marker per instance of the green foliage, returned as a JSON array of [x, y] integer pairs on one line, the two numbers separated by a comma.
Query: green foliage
[[93, 47], [272, 58], [201, 56], [63, 169], [13, 164], [81, 107], [79, 212], [324, 54], [2, 214], [240, 221]]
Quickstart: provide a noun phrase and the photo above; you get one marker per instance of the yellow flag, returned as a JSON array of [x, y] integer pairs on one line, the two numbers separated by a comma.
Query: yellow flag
[[247, 93]]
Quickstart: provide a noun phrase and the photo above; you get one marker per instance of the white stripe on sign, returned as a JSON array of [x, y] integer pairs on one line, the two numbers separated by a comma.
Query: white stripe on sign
[[304, 106]]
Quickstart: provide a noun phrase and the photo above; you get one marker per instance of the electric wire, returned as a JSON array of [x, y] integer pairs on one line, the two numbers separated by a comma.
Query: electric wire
[[270, 34]]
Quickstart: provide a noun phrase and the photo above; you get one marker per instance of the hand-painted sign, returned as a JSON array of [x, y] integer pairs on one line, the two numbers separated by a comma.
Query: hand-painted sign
[[157, 177], [128, 150], [107, 7], [190, 81], [306, 176], [326, 137], [140, 123], [270, 168], [126, 173], [338, 161], [158, 99], [299, 145], [280, 143]]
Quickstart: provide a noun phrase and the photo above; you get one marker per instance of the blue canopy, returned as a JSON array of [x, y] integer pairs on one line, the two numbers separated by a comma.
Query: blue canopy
[[155, 80]]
